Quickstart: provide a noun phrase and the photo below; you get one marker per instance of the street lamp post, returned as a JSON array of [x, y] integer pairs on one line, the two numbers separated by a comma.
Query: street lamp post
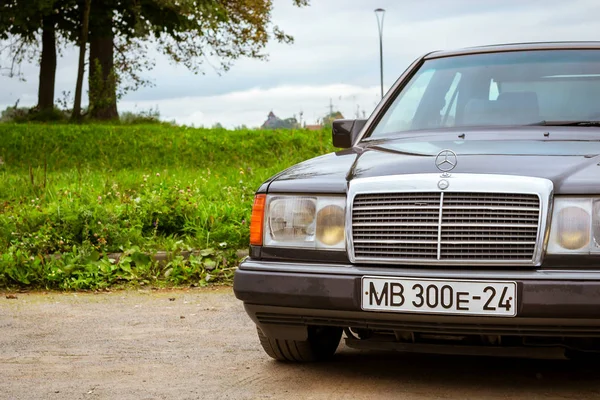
[[380, 14]]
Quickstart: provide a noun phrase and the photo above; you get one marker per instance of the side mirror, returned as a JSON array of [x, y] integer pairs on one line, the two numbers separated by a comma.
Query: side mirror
[[345, 131]]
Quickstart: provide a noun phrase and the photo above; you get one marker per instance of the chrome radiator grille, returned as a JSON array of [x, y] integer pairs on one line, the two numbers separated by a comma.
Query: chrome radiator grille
[[446, 226]]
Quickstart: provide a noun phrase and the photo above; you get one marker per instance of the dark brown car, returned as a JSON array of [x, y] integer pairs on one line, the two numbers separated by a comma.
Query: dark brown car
[[462, 216]]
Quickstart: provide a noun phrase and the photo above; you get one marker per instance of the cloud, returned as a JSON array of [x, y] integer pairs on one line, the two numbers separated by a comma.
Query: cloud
[[336, 45]]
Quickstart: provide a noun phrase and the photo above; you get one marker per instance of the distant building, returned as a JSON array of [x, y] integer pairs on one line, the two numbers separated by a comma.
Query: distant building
[[273, 122]]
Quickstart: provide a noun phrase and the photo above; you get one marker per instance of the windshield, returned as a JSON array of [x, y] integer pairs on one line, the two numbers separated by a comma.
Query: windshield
[[497, 89]]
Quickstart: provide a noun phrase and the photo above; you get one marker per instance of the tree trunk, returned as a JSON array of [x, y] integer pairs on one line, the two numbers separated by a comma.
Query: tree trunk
[[102, 77], [81, 67], [47, 66]]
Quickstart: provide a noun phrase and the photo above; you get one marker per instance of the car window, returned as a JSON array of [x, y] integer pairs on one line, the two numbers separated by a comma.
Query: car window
[[405, 106], [497, 89]]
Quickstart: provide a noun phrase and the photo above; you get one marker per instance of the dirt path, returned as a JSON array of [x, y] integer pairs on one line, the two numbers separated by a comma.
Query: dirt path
[[201, 345]]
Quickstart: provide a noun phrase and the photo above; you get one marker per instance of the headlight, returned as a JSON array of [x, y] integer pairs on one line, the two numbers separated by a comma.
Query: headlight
[[311, 222], [575, 226], [330, 225]]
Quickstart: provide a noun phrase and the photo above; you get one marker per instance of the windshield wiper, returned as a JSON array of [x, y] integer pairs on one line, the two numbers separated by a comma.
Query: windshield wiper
[[566, 123]]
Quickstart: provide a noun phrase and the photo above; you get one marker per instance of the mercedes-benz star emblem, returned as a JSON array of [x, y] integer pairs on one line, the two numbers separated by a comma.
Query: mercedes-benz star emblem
[[446, 161]]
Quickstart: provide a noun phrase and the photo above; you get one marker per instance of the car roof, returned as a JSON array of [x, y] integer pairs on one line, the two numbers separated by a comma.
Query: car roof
[[497, 48]]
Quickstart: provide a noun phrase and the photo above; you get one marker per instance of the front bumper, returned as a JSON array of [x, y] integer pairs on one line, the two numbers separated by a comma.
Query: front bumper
[[284, 298]]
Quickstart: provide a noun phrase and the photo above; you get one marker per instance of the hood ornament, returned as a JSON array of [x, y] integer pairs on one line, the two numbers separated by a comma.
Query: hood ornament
[[446, 161]]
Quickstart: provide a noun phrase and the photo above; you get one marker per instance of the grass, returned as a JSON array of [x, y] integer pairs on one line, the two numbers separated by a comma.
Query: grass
[[90, 190]]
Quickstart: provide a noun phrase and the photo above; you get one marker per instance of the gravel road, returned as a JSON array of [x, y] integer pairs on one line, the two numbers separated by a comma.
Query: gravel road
[[199, 344]]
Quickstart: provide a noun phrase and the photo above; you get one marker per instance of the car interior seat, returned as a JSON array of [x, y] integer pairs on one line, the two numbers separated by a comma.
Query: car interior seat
[[510, 108]]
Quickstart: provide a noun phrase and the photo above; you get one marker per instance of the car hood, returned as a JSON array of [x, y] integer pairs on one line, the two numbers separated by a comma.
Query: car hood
[[569, 158]]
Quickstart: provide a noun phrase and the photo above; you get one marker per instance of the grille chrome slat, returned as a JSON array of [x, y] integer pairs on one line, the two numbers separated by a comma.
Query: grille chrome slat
[[490, 225], [391, 224], [387, 208], [437, 207], [401, 217], [363, 243], [478, 242], [438, 227], [409, 235]]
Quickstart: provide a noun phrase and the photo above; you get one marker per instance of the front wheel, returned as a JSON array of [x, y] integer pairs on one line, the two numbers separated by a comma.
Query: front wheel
[[321, 344]]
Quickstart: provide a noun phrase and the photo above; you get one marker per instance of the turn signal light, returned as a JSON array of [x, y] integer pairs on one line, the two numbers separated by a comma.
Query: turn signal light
[[256, 221]]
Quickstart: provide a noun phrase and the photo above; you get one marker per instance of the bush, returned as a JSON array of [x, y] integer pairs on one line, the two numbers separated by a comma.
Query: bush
[[22, 114], [151, 116]]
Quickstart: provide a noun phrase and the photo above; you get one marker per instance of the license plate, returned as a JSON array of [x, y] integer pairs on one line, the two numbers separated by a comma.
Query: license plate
[[439, 296]]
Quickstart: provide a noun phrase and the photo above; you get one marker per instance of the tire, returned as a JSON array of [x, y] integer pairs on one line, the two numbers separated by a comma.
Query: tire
[[321, 344]]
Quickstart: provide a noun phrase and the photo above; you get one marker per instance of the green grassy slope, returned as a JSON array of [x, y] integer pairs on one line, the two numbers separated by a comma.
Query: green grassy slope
[[89, 190]]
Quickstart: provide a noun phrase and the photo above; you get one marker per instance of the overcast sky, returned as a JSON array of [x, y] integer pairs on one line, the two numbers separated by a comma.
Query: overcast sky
[[335, 56]]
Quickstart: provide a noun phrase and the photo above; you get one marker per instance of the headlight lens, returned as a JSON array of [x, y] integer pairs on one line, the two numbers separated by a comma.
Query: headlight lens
[[575, 226], [330, 225], [312, 222], [292, 219]]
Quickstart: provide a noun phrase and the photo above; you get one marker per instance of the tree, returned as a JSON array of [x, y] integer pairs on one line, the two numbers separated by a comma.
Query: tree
[[25, 27], [332, 116], [120, 34], [20, 24], [85, 18], [47, 83], [187, 31], [102, 78]]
